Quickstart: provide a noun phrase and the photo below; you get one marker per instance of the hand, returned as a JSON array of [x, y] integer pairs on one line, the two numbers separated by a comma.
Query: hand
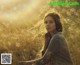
[[26, 62]]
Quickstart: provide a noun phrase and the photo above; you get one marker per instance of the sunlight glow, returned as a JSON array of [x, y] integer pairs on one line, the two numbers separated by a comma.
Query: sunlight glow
[[16, 9]]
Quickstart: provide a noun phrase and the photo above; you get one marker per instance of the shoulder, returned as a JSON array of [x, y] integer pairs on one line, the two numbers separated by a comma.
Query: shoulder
[[58, 36]]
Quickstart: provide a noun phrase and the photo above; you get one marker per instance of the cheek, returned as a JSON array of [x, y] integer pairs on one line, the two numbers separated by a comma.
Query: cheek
[[53, 27]]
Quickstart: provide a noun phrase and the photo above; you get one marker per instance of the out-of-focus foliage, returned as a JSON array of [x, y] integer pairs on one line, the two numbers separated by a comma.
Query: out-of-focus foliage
[[26, 40]]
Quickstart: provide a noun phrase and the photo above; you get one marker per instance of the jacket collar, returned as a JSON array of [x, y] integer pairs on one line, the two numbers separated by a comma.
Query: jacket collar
[[47, 35]]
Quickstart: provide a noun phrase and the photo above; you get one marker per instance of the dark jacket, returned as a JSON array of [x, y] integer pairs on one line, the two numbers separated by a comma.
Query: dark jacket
[[55, 51]]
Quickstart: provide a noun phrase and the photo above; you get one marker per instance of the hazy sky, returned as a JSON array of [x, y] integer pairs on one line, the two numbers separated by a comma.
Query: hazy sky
[[14, 10]]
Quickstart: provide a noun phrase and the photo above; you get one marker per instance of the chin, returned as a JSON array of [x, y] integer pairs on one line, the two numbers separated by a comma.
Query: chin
[[48, 30]]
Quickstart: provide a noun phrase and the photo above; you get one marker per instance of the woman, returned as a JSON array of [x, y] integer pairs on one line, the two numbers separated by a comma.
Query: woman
[[55, 51]]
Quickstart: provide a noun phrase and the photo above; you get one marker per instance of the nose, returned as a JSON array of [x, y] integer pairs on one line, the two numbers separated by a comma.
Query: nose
[[48, 24]]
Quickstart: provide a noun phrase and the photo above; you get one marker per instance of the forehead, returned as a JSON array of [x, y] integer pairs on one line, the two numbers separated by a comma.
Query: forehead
[[48, 18]]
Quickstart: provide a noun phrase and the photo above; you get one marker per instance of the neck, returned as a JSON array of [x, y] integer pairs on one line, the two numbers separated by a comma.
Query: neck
[[52, 33]]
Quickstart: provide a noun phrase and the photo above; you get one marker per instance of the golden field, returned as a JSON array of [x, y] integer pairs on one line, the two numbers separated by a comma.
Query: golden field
[[22, 29]]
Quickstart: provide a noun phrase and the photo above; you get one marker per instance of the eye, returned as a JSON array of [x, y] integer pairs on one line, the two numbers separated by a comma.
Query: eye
[[50, 21], [45, 22]]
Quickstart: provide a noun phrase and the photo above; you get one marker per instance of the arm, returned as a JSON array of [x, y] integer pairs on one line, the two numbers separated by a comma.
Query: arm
[[52, 49]]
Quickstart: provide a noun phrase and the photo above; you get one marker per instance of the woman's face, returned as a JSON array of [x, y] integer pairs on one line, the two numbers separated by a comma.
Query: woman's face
[[50, 24]]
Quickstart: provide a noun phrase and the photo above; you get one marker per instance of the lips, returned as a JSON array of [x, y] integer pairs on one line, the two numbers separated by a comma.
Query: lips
[[48, 28]]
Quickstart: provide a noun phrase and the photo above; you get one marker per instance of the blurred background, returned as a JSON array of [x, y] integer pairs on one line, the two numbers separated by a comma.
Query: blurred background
[[22, 27]]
